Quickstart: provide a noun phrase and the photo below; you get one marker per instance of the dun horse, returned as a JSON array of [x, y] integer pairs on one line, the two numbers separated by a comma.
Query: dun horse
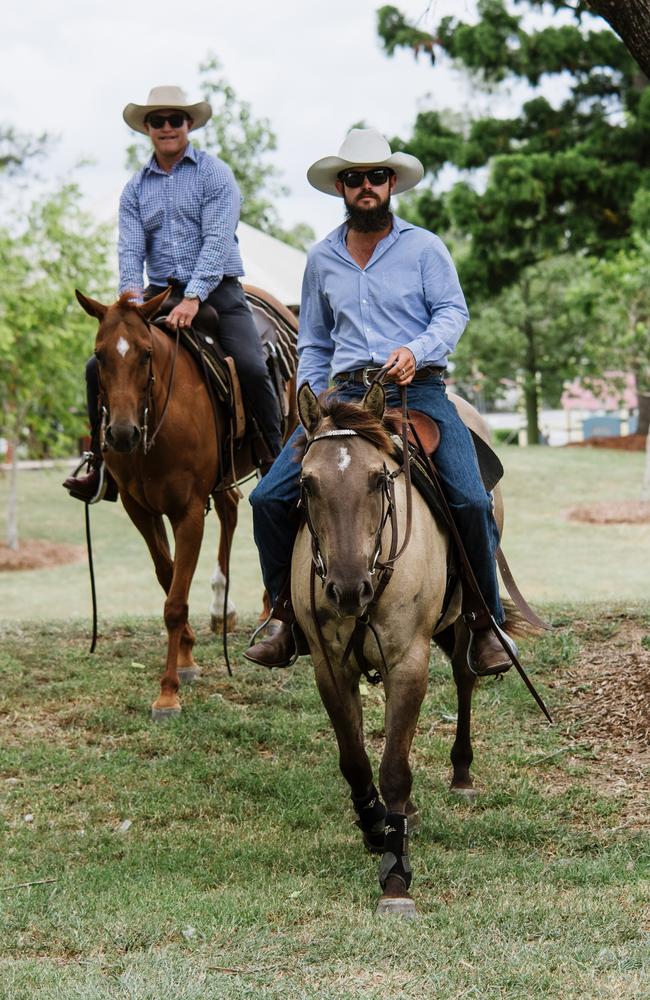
[[163, 449], [345, 538]]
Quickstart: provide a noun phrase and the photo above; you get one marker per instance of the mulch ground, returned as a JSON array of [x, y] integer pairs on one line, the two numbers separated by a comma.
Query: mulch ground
[[38, 554], [604, 705], [620, 512], [628, 442]]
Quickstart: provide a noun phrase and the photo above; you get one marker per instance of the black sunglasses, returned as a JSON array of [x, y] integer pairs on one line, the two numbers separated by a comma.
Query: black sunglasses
[[175, 120], [354, 178]]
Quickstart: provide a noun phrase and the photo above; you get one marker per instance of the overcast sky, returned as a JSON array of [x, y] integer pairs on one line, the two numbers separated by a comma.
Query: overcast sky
[[312, 69]]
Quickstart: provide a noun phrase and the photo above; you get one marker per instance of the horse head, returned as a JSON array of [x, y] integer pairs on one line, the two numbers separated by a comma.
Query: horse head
[[343, 486], [123, 349]]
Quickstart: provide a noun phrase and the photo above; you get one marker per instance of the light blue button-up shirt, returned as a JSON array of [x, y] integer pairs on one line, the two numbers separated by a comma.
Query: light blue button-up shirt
[[408, 295], [182, 223]]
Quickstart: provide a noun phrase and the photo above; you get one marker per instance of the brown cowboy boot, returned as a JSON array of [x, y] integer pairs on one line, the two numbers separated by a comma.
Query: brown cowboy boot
[[96, 485], [487, 653], [277, 648], [283, 640]]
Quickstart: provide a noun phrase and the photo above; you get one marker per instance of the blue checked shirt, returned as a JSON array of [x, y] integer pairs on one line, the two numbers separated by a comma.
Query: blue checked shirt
[[181, 224], [408, 295]]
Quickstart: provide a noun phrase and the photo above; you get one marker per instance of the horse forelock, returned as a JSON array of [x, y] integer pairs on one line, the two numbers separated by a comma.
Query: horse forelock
[[353, 417], [126, 311]]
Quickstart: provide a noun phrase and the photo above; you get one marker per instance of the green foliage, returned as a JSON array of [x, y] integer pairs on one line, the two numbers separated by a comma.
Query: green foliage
[[19, 149], [561, 177], [244, 142], [44, 336]]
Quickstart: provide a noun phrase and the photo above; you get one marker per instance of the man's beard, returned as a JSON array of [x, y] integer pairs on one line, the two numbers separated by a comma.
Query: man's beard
[[368, 220]]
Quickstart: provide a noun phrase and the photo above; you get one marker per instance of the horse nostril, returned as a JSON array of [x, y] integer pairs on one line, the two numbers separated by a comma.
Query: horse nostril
[[366, 590], [332, 593]]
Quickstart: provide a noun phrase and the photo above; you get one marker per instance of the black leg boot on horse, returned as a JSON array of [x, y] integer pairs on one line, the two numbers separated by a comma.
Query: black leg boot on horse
[[97, 483]]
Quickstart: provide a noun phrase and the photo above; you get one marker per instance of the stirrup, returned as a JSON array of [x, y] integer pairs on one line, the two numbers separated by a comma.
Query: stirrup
[[512, 648]]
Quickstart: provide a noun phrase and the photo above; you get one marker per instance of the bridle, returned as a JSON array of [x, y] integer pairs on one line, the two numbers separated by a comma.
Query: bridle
[[383, 568], [147, 441]]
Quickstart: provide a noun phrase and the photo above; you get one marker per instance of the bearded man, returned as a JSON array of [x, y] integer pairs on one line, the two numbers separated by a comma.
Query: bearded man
[[377, 292]]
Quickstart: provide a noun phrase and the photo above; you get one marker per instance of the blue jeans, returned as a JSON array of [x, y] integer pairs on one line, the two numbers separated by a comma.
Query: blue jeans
[[471, 505]]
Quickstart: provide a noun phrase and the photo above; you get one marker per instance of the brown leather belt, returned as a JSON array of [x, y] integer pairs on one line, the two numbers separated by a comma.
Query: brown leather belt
[[364, 376]]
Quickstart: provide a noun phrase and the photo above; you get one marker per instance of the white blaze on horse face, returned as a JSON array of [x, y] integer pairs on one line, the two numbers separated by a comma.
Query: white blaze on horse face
[[122, 346], [344, 459]]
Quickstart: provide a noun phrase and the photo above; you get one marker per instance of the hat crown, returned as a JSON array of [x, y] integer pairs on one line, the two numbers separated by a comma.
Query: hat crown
[[168, 97], [365, 145]]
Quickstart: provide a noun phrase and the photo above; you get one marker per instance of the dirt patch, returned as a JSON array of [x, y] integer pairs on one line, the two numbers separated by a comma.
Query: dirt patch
[[606, 711], [619, 512], [38, 554], [628, 442]]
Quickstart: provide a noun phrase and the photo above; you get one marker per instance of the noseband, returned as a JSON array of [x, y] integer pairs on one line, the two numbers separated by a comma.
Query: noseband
[[147, 442]]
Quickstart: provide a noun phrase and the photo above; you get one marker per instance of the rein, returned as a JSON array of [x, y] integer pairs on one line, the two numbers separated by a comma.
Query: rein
[[385, 567]]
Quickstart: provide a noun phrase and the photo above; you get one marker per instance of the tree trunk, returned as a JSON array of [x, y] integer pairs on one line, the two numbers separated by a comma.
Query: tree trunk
[[531, 391], [645, 488], [12, 502], [630, 19], [644, 413]]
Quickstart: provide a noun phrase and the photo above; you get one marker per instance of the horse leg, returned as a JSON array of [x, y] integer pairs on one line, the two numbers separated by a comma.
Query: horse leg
[[342, 702], [226, 505], [406, 687], [188, 533], [461, 751], [152, 529]]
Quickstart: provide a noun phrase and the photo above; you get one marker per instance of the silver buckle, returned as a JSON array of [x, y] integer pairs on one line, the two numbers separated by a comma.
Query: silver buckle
[[371, 368]]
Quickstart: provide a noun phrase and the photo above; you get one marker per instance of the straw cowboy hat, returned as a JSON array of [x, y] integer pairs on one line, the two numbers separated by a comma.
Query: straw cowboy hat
[[365, 147], [162, 99]]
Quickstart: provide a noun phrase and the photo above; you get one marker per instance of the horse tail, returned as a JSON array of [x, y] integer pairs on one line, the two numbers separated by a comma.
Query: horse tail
[[515, 623]]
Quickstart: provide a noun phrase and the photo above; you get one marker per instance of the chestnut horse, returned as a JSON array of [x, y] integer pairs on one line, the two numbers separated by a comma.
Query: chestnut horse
[[345, 540], [162, 447]]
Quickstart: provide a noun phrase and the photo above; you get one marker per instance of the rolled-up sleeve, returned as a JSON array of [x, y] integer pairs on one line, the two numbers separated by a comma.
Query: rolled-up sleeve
[[131, 245], [219, 218], [446, 304], [315, 344]]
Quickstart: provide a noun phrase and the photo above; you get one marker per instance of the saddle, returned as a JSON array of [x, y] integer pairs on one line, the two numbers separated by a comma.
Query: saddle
[[425, 432], [277, 327]]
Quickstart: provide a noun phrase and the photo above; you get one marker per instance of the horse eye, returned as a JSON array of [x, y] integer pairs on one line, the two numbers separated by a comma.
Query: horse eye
[[99, 355], [146, 357], [375, 482], [305, 485]]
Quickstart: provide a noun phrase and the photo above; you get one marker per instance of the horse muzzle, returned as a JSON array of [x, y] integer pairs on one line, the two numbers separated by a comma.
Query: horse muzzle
[[123, 437], [350, 599]]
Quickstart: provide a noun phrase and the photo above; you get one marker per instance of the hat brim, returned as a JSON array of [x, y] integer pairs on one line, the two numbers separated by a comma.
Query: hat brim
[[134, 114], [323, 174]]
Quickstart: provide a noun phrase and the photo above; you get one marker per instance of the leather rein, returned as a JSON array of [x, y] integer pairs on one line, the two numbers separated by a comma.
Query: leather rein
[[481, 616], [147, 442], [383, 568]]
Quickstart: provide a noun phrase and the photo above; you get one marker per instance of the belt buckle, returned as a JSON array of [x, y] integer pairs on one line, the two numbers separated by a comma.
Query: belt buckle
[[364, 374]]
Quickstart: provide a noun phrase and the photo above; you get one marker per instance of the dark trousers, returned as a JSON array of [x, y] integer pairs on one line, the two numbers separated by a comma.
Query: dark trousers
[[240, 339]]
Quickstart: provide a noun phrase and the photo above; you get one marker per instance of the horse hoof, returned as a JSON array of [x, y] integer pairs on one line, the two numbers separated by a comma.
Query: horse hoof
[[164, 714], [397, 906], [188, 675], [216, 623], [468, 795]]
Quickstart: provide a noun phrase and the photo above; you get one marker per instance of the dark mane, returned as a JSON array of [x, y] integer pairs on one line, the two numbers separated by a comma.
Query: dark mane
[[351, 416]]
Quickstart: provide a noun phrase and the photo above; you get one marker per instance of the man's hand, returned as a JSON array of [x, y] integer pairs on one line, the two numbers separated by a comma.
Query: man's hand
[[183, 314], [400, 365]]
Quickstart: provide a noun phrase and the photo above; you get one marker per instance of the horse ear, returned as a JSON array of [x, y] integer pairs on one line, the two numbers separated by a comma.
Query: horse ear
[[375, 400], [151, 306], [92, 307], [308, 408]]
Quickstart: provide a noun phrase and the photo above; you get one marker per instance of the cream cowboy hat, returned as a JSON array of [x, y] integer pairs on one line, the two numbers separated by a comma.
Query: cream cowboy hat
[[365, 147], [161, 99]]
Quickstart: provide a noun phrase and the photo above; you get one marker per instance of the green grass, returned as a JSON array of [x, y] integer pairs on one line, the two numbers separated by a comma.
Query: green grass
[[242, 874], [552, 558]]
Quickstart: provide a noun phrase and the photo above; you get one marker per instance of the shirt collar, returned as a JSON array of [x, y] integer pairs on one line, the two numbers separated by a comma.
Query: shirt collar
[[189, 154]]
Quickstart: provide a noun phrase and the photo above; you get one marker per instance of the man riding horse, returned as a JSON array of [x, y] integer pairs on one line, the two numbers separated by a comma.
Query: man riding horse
[[378, 292], [178, 217]]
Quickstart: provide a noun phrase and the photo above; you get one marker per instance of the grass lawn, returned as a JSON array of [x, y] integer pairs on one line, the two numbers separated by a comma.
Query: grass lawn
[[242, 875], [551, 557], [216, 858]]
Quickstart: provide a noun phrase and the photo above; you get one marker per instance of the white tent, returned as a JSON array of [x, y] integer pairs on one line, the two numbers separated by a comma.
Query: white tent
[[271, 264]]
